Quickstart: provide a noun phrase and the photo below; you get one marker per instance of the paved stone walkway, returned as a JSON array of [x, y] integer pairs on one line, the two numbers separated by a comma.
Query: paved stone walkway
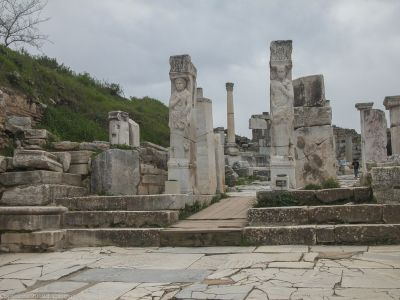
[[267, 272], [227, 213]]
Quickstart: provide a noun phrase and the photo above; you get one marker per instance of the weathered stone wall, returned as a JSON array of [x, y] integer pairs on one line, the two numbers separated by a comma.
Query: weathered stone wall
[[340, 141], [17, 112], [153, 169], [314, 139]]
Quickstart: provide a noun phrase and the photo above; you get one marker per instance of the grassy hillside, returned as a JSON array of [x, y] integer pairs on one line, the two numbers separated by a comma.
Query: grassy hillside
[[77, 103]]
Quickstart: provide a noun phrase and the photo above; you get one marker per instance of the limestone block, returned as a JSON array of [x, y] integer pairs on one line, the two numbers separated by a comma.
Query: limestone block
[[392, 103], [335, 214], [36, 159], [134, 133], [258, 123], [391, 214], [206, 168], [16, 242], [284, 235], [17, 123], [65, 146], [230, 176], [281, 216], [118, 128], [116, 172], [153, 179], [30, 218], [242, 168], [312, 116], [3, 164], [385, 184], [395, 139], [41, 194], [123, 237], [36, 134], [172, 187], [64, 158], [334, 195], [315, 154], [374, 135], [82, 169], [362, 194], [37, 142], [81, 157], [94, 146], [366, 234], [219, 163], [309, 91], [39, 177]]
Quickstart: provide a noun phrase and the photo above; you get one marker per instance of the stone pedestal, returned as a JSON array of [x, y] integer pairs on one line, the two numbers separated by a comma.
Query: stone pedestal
[[373, 134], [182, 123], [123, 130], [282, 169], [206, 168], [282, 113], [392, 103]]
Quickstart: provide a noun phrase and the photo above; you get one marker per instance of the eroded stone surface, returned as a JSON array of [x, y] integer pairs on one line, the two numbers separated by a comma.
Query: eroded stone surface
[[283, 272]]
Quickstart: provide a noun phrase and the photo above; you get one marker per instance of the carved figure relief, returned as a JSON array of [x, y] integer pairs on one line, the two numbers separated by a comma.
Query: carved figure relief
[[180, 105], [282, 102]]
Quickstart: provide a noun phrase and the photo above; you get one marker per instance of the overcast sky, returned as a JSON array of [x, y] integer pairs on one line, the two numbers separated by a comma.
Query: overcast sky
[[354, 44]]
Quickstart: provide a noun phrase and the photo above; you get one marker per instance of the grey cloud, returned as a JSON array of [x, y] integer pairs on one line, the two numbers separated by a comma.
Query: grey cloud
[[355, 44]]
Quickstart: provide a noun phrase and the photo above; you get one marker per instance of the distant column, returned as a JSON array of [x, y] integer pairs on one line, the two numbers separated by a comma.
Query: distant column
[[392, 103], [230, 113], [349, 148]]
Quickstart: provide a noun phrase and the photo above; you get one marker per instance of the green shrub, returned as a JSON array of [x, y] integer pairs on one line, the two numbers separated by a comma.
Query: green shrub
[[78, 104], [312, 186], [330, 183], [279, 199]]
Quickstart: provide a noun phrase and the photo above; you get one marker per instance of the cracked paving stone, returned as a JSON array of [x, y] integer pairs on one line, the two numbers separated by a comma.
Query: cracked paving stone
[[291, 265], [105, 291], [205, 250], [55, 290], [141, 275], [282, 249], [364, 293], [204, 291], [165, 261], [371, 278], [352, 264]]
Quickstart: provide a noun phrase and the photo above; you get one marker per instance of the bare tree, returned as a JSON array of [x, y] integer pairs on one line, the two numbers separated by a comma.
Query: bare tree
[[19, 20]]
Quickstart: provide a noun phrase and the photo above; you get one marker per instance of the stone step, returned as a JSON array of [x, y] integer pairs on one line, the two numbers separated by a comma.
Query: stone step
[[132, 203], [48, 240], [325, 214], [41, 194], [30, 218], [121, 237], [362, 234], [39, 177], [183, 237], [105, 219]]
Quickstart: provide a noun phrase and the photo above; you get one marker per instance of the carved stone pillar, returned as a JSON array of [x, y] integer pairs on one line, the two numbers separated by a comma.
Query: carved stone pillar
[[182, 123], [392, 103], [373, 134], [282, 115]]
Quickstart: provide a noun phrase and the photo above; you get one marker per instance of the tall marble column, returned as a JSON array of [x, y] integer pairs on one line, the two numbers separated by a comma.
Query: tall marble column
[[182, 124], [392, 103], [231, 147], [282, 116], [373, 134], [206, 163]]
